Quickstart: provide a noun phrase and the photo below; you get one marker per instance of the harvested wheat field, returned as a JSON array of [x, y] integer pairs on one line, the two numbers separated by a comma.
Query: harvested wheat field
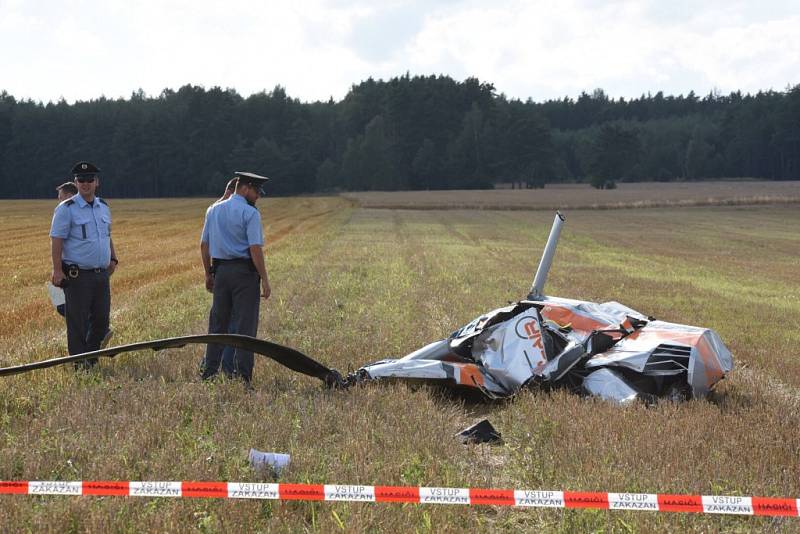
[[352, 285], [583, 196]]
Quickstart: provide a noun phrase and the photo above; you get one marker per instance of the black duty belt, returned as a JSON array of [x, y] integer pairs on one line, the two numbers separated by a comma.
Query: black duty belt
[[216, 262], [72, 270]]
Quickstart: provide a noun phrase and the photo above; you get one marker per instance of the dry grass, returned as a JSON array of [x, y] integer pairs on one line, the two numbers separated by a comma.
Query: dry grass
[[354, 285], [583, 196]]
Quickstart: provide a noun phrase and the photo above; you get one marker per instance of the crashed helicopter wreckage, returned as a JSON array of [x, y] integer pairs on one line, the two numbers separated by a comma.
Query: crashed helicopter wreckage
[[606, 350]]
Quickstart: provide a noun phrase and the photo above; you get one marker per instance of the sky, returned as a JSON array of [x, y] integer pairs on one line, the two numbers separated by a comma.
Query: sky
[[318, 49]]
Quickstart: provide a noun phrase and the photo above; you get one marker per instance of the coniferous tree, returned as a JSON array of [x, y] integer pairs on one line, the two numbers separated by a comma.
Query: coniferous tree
[[616, 152]]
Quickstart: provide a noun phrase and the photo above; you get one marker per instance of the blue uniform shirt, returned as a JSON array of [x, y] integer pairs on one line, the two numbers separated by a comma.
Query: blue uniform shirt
[[231, 228], [86, 231]]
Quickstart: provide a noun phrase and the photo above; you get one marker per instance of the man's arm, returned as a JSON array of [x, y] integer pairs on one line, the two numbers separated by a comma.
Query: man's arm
[[257, 254], [56, 248], [206, 257], [112, 265], [59, 230]]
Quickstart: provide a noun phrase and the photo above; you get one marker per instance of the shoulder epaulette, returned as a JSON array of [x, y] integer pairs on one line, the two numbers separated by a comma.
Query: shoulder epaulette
[[69, 202], [102, 201]]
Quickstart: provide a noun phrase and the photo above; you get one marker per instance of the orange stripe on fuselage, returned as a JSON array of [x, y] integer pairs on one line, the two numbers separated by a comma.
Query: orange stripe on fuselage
[[469, 374], [564, 316], [656, 335]]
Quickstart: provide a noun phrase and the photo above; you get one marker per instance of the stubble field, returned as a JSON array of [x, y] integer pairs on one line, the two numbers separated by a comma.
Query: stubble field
[[352, 285]]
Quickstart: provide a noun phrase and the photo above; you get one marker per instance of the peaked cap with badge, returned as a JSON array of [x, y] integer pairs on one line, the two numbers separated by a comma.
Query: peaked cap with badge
[[252, 179], [84, 168]]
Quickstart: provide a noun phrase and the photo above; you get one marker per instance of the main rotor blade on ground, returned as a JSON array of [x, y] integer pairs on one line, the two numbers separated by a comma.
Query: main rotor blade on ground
[[286, 356]]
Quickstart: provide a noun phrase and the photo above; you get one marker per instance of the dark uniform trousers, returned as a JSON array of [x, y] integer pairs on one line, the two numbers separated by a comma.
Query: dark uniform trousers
[[234, 310], [88, 304]]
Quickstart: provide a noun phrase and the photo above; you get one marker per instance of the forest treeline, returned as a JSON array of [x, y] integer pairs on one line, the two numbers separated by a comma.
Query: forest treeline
[[420, 132]]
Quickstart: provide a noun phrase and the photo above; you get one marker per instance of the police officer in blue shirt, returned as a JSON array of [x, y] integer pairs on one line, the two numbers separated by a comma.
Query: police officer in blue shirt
[[231, 247], [83, 259]]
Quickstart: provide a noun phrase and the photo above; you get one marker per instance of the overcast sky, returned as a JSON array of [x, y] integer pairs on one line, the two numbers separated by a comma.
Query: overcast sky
[[82, 49]]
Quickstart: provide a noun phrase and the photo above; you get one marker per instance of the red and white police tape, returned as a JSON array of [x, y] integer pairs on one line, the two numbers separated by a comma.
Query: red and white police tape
[[708, 504]]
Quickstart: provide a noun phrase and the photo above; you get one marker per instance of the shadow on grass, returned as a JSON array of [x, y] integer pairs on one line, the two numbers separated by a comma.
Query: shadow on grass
[[731, 400]]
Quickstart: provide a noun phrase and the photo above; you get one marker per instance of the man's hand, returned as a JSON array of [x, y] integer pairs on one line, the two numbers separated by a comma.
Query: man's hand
[[57, 277], [265, 289], [112, 266], [210, 282]]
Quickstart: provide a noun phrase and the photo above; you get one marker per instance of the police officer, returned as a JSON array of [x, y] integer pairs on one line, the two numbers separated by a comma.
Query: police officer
[[83, 259], [65, 191], [231, 247]]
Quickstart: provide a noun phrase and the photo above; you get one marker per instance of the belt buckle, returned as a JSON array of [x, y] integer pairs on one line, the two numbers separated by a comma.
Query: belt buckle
[[97, 270]]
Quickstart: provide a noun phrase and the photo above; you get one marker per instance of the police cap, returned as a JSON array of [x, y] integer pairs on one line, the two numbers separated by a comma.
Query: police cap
[[84, 168], [252, 179]]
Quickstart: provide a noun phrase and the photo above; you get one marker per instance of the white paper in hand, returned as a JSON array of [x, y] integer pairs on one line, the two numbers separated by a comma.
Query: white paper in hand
[[56, 294]]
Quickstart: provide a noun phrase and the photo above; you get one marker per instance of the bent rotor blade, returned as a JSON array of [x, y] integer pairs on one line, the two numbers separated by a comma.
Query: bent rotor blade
[[286, 356]]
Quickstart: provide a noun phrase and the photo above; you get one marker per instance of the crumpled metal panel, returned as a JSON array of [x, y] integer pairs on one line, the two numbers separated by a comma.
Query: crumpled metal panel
[[564, 362], [512, 351], [709, 359], [455, 372], [424, 369], [622, 357], [609, 385], [724, 355], [477, 325], [710, 362], [584, 316]]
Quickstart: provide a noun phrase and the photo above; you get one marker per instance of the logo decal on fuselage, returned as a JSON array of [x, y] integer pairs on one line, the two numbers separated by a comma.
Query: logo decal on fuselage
[[527, 327]]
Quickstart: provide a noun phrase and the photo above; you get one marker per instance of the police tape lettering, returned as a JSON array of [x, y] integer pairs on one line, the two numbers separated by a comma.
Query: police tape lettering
[[709, 504]]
